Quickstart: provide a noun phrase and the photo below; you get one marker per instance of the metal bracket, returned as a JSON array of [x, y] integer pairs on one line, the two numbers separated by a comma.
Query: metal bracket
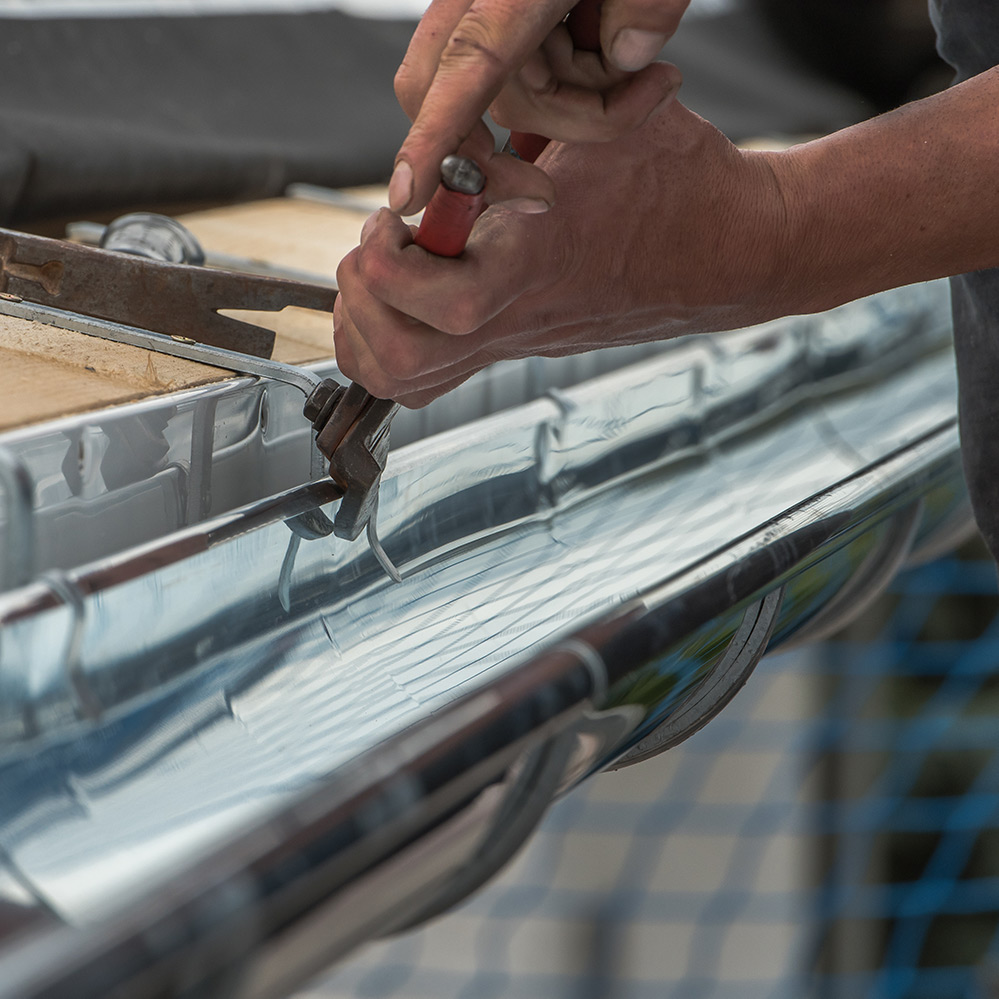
[[727, 677]]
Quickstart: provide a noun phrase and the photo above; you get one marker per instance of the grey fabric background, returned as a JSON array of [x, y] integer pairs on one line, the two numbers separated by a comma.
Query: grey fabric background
[[108, 112]]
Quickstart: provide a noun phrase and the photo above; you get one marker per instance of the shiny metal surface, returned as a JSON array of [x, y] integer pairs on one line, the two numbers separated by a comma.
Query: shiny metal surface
[[137, 472], [232, 728], [726, 678]]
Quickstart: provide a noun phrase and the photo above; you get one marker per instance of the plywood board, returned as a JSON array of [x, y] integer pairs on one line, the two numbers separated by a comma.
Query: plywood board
[[47, 373], [304, 235]]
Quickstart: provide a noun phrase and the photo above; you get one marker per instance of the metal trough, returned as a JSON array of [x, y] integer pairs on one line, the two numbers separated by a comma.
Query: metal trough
[[231, 751]]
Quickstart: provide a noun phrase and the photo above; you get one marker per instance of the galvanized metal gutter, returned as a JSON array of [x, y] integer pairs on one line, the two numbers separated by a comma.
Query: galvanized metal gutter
[[229, 754]]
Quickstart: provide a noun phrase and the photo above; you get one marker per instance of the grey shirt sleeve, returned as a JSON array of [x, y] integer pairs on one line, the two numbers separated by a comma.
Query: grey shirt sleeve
[[968, 38]]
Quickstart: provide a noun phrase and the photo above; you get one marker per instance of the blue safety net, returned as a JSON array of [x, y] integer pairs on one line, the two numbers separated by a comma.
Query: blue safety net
[[834, 833]]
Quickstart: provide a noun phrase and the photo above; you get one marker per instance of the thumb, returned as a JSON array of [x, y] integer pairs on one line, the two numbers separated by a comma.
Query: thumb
[[633, 32]]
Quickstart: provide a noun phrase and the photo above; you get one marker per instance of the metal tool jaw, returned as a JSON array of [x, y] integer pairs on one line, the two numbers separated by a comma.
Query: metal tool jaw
[[178, 299], [352, 432]]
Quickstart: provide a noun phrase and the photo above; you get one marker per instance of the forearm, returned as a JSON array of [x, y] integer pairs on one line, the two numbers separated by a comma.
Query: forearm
[[906, 197]]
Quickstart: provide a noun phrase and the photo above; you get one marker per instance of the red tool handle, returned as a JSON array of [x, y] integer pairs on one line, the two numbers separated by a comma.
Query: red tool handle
[[583, 23], [452, 211], [448, 220]]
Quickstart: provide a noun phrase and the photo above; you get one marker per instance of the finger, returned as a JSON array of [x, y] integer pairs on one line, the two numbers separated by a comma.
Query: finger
[[454, 296], [489, 43], [557, 61], [354, 357], [633, 32], [572, 113], [573, 65], [521, 186], [423, 397], [380, 372], [384, 349], [416, 72], [518, 185], [358, 361]]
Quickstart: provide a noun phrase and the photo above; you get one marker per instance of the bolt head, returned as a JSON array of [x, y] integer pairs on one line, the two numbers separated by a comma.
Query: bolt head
[[321, 402]]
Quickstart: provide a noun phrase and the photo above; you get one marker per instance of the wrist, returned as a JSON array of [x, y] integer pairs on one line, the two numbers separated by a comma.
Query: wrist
[[826, 239], [768, 228]]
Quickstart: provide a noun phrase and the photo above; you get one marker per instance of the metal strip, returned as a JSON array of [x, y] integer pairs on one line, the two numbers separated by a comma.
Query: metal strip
[[17, 561], [204, 353]]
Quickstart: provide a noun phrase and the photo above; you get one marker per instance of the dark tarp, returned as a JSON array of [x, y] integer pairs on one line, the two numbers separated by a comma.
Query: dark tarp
[[102, 114], [106, 112]]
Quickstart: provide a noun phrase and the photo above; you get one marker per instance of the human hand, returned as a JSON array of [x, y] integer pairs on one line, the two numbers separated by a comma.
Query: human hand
[[517, 56], [671, 230]]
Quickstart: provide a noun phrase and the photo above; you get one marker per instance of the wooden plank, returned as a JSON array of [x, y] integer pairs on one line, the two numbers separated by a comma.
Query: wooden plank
[[46, 373], [305, 235]]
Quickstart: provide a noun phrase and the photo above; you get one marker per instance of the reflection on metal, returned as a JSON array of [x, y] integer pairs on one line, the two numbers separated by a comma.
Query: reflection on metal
[[231, 749], [375, 544], [870, 578], [726, 678]]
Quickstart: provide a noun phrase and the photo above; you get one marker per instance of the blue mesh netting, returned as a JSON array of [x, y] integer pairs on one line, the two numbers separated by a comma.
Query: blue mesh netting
[[833, 833]]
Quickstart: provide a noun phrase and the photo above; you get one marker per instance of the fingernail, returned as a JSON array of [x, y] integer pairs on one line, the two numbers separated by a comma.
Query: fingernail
[[400, 190], [528, 206], [633, 50]]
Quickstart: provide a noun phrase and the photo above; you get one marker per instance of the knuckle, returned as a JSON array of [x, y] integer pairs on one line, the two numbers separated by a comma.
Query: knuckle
[[380, 385], [402, 361], [417, 401], [346, 359], [461, 317], [475, 40], [407, 85], [369, 381], [372, 269], [501, 113], [345, 271], [369, 374]]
